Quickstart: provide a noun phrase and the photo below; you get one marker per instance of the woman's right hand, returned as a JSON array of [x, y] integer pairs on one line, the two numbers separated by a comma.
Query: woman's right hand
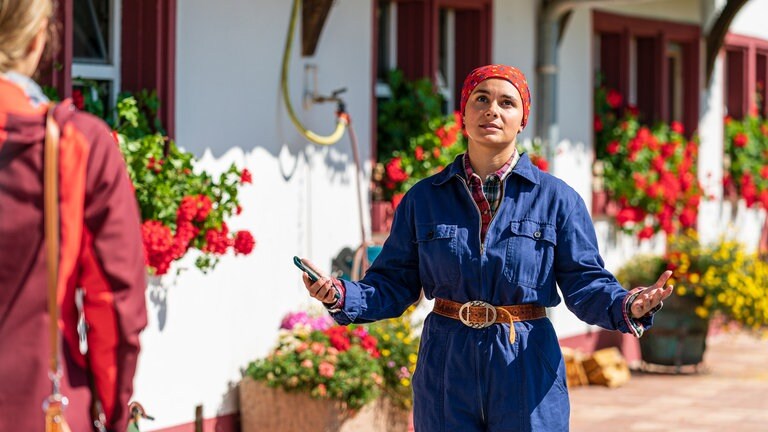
[[323, 289]]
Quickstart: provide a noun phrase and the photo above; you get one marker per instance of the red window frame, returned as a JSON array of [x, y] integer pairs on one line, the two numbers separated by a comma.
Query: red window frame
[[417, 35], [746, 73], [653, 36], [148, 52]]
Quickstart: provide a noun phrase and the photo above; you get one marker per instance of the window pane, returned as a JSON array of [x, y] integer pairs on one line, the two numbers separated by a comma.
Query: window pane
[[91, 30], [648, 91], [675, 82]]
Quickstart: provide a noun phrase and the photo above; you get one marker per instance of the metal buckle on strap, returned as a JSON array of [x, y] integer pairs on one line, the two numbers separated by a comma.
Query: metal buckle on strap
[[490, 314]]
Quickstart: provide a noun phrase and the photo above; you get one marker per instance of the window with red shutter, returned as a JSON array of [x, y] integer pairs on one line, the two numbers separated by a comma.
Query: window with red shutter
[[654, 66], [113, 46], [746, 75], [420, 38]]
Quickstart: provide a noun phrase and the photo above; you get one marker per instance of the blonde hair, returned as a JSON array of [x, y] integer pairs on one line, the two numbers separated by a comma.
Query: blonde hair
[[20, 21]]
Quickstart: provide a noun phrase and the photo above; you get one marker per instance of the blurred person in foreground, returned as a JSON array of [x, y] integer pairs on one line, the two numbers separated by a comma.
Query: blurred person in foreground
[[491, 238], [100, 246]]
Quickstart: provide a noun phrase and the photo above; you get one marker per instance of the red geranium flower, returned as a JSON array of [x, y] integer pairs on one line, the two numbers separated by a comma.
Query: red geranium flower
[[244, 242]]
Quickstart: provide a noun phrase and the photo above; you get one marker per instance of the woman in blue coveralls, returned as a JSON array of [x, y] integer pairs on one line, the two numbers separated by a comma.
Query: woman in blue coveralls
[[490, 238]]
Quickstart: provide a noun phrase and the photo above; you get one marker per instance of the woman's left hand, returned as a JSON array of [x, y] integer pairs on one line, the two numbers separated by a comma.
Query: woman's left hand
[[651, 296]]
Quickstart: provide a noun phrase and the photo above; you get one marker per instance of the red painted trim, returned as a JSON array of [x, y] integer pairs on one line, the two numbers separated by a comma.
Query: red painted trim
[[415, 39], [604, 22], [750, 47], [733, 39], [149, 53], [464, 4], [169, 39], [662, 32], [224, 423], [599, 339]]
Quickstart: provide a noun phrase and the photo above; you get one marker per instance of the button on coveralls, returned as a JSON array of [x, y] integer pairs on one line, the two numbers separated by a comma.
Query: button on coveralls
[[541, 237]]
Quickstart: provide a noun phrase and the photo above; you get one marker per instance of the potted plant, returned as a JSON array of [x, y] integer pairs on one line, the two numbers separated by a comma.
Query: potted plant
[[409, 111], [347, 378], [648, 173], [719, 279], [183, 207]]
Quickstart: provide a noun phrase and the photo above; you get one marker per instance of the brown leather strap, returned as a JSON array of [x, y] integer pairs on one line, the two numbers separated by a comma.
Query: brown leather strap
[[478, 314], [51, 221]]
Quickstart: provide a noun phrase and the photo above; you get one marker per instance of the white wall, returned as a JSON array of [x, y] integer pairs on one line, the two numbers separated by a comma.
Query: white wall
[[514, 44], [723, 217], [204, 328], [750, 21], [669, 10]]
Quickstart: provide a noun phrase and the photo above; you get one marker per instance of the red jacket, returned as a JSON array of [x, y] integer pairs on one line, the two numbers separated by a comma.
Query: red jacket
[[101, 251]]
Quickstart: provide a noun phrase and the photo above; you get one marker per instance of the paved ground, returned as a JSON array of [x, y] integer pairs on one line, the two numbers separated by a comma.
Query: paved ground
[[731, 395]]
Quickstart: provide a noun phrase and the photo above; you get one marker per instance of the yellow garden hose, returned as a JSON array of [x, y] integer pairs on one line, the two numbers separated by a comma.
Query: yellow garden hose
[[342, 118]]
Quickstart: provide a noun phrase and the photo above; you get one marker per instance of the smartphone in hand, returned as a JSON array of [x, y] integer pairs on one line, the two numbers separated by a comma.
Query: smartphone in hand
[[313, 275]]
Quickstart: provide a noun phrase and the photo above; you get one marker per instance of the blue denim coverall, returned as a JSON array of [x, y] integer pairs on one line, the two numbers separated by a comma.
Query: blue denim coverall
[[541, 236]]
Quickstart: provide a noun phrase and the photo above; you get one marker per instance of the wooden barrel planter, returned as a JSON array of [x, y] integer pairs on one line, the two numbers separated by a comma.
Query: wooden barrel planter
[[678, 336], [263, 408]]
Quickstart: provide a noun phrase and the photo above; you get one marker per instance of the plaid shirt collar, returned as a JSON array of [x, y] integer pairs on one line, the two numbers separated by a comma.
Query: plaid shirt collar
[[500, 175], [487, 194]]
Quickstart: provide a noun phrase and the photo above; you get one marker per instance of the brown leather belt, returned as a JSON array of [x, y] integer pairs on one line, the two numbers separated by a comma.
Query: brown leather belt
[[479, 314]]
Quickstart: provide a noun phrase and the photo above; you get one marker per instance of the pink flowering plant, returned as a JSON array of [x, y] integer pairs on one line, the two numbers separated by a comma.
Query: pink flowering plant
[[352, 364], [182, 207], [746, 150], [649, 172]]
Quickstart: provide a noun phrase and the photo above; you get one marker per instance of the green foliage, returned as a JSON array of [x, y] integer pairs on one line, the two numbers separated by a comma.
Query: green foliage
[[163, 175], [406, 114], [729, 280], [137, 114]]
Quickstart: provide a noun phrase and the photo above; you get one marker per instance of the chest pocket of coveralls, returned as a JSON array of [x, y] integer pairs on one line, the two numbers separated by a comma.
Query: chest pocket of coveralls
[[438, 253], [530, 253]]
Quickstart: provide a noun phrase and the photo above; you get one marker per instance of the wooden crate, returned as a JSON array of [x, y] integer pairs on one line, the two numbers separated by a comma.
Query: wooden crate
[[607, 367], [574, 369]]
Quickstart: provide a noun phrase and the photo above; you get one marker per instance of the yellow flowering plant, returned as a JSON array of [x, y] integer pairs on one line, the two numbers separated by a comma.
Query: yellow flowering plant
[[398, 343], [729, 280]]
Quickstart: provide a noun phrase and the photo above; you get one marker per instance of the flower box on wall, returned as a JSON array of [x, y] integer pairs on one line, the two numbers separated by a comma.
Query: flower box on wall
[[263, 408], [381, 216]]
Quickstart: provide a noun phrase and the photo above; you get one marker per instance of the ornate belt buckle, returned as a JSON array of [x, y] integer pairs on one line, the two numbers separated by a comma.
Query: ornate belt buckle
[[490, 314]]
